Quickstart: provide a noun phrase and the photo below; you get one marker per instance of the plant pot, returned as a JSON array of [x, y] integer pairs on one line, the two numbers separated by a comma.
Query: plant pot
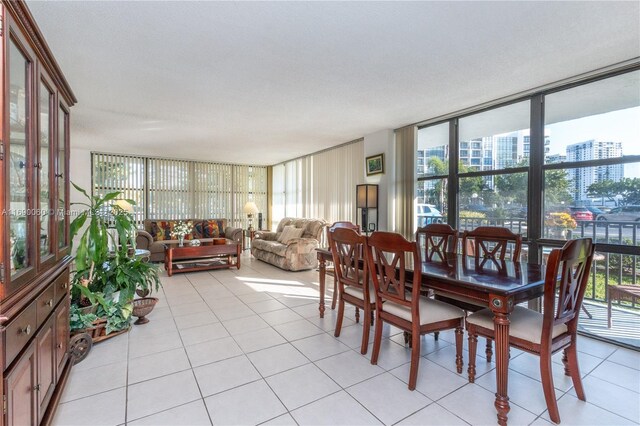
[[92, 309], [142, 308]]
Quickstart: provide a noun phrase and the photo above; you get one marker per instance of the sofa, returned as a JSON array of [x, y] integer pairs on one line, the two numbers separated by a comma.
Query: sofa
[[292, 246], [157, 232]]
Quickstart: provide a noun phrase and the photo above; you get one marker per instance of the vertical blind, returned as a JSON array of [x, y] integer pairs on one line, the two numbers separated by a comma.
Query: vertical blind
[[181, 189], [321, 185], [124, 173]]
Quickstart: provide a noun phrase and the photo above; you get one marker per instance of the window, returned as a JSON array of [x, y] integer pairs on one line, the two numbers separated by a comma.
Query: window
[[433, 145], [431, 188], [494, 194], [181, 189], [592, 159]]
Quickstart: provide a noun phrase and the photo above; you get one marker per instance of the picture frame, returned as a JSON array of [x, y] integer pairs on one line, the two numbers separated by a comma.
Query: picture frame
[[375, 164]]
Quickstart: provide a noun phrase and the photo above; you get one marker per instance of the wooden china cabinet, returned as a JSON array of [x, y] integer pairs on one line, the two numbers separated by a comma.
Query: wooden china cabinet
[[34, 226]]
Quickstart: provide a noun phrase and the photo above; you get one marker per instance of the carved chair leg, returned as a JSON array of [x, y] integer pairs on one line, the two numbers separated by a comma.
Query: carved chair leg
[[459, 335], [565, 361], [357, 314], [340, 317], [489, 350], [415, 359], [407, 337], [473, 346], [377, 340], [335, 292], [365, 330], [572, 359], [547, 386]]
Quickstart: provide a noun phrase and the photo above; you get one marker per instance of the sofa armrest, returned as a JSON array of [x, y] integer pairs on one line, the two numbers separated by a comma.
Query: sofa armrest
[[143, 240], [265, 235], [233, 233]]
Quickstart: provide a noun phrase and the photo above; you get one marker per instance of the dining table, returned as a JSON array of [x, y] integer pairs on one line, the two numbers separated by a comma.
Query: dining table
[[499, 285]]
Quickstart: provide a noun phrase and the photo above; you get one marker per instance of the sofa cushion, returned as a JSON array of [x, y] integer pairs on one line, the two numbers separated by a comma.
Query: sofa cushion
[[212, 228], [270, 246], [289, 233], [161, 230]]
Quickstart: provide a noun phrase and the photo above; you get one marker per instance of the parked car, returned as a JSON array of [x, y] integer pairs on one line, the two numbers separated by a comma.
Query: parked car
[[428, 214], [581, 214], [621, 214]]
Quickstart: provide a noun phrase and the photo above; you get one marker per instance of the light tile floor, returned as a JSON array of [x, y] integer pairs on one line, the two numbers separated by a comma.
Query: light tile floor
[[247, 347]]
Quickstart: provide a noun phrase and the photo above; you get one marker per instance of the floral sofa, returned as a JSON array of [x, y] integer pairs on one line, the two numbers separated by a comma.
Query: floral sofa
[[157, 232], [294, 253]]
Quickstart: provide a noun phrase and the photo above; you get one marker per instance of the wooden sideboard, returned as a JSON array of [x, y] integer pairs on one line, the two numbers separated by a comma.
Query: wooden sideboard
[[34, 224]]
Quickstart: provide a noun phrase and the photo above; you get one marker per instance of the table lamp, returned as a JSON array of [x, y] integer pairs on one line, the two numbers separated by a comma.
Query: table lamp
[[250, 209]]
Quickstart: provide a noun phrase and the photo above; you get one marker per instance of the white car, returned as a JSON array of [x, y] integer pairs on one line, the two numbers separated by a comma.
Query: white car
[[621, 214], [428, 214]]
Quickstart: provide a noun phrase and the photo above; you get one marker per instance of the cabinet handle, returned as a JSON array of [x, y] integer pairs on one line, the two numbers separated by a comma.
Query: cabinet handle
[[49, 303], [59, 175], [59, 345], [27, 330], [37, 387], [65, 286], [38, 165]]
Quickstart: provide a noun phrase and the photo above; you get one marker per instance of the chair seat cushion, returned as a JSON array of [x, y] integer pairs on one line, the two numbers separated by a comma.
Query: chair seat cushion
[[357, 292], [430, 311], [526, 324]]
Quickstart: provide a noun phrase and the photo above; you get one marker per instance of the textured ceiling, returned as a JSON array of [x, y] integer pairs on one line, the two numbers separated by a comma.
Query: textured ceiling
[[262, 82]]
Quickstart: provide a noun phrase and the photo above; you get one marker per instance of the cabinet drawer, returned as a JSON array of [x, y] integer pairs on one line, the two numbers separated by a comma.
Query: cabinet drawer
[[19, 332], [61, 285], [45, 303]]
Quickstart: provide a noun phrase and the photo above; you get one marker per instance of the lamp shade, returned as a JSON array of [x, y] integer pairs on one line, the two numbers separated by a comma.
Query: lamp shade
[[250, 208], [366, 196]]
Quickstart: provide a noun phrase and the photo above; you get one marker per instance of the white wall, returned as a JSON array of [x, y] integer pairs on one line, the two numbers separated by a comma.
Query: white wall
[[80, 174], [376, 143]]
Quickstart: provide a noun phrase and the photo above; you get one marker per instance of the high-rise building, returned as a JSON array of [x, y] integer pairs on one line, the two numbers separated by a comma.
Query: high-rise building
[[582, 178]]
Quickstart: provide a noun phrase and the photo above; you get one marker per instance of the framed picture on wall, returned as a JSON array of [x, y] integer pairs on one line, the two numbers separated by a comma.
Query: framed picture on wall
[[375, 164]]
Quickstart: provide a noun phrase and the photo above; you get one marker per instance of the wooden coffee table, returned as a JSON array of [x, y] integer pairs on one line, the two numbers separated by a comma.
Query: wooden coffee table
[[217, 254]]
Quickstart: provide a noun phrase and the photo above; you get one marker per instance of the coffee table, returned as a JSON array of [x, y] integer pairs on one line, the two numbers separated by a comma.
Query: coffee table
[[216, 254]]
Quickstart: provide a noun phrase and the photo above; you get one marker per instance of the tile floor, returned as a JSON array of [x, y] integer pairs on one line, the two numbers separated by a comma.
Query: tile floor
[[247, 347]]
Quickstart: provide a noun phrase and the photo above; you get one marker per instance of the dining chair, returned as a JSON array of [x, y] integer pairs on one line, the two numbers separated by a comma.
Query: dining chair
[[347, 250], [331, 271], [546, 333], [437, 239], [390, 257], [491, 243], [488, 243]]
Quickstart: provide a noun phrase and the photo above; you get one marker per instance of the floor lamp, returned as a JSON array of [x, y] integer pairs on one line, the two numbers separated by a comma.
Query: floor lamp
[[366, 199]]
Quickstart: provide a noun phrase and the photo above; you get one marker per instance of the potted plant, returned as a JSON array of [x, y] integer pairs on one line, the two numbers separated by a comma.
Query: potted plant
[[560, 223], [180, 230], [107, 280]]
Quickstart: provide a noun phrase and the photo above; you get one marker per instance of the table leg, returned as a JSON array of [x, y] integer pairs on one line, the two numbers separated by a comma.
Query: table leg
[[169, 263], [323, 272], [501, 327], [238, 253]]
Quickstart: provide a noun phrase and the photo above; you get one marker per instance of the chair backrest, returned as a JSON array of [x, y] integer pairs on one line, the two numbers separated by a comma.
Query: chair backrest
[[491, 243], [567, 276], [348, 249], [387, 255], [436, 239]]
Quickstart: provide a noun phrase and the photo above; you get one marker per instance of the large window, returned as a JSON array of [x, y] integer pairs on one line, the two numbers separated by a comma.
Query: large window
[[433, 171], [552, 166], [493, 185], [592, 173], [180, 189]]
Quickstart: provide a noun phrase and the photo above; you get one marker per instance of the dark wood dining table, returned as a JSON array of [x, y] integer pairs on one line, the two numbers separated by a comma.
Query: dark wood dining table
[[499, 286]]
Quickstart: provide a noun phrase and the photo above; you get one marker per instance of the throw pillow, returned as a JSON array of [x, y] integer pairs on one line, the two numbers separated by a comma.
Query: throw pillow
[[289, 233], [211, 229]]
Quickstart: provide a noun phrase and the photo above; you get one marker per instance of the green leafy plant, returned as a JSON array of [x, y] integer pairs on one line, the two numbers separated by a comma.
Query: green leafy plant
[[79, 320]]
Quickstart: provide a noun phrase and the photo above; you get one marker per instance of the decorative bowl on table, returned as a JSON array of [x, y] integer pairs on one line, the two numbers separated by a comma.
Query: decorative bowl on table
[[195, 243], [143, 307]]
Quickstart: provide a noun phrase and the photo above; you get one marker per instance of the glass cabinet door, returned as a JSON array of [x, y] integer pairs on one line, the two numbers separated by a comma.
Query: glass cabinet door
[[43, 216], [61, 179], [20, 73]]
